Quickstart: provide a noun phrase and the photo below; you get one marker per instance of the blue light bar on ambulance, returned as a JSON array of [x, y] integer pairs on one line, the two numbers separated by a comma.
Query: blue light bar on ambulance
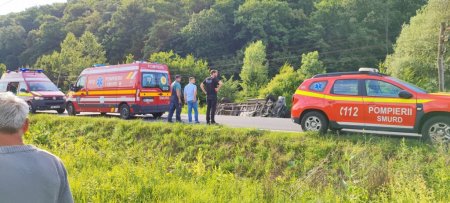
[[34, 70], [99, 65]]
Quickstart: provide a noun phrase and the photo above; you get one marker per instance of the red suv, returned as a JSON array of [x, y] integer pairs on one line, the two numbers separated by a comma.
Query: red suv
[[371, 102]]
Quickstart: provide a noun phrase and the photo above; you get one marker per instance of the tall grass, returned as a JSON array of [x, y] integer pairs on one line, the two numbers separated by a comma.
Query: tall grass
[[110, 160]]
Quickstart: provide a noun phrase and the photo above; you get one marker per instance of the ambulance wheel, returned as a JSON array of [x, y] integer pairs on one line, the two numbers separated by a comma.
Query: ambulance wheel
[[314, 121], [31, 109], [124, 111], [60, 111], [157, 115], [437, 130], [103, 113], [71, 109]]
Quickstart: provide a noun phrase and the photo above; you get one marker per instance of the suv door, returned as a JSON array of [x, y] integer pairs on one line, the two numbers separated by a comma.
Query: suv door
[[385, 109], [346, 104]]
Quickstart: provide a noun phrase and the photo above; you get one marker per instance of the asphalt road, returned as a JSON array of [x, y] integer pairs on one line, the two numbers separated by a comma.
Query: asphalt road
[[272, 124]]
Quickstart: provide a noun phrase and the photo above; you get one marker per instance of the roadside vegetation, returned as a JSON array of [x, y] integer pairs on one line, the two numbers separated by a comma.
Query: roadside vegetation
[[110, 160]]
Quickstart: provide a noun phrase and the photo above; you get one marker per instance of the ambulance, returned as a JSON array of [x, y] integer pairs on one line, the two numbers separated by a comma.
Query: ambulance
[[35, 88], [130, 89], [370, 102]]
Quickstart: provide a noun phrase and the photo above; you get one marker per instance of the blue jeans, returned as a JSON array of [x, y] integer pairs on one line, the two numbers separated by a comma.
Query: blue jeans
[[192, 105], [174, 105]]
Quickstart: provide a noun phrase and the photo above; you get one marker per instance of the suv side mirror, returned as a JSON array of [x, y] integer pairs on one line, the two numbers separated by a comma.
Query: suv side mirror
[[24, 90], [405, 94]]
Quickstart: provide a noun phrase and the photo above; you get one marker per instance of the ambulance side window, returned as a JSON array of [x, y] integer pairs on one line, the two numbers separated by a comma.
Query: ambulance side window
[[81, 83], [148, 80], [378, 88], [23, 87], [3, 86], [345, 87]]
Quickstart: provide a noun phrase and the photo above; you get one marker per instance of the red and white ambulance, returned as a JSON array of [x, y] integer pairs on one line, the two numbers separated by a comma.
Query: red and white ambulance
[[129, 89], [35, 88]]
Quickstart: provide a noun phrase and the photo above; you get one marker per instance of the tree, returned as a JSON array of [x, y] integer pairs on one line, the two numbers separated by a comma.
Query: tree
[[65, 66], [415, 52], [207, 33], [283, 84], [271, 21], [187, 67], [311, 65], [230, 89], [255, 69], [12, 44], [2, 69], [355, 33], [127, 30]]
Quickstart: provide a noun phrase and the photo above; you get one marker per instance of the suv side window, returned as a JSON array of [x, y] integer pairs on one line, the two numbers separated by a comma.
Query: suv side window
[[378, 88], [345, 87], [318, 86]]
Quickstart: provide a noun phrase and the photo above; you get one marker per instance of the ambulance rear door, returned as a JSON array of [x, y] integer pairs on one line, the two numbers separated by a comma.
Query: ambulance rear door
[[155, 87]]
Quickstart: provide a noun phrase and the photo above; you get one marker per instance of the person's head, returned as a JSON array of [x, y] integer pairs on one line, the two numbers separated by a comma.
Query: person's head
[[214, 73], [13, 115], [192, 80], [178, 78]]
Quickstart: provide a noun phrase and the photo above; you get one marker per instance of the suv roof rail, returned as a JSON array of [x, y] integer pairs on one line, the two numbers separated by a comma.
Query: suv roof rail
[[349, 73]]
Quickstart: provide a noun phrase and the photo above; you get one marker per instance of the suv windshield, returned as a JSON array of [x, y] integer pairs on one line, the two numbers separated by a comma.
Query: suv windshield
[[155, 80], [409, 85], [42, 86]]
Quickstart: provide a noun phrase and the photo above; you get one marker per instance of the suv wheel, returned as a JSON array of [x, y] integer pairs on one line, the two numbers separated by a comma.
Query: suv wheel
[[124, 110], [437, 130], [314, 121]]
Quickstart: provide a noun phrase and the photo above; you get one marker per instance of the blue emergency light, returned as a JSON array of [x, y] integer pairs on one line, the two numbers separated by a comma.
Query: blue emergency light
[[99, 65], [34, 70]]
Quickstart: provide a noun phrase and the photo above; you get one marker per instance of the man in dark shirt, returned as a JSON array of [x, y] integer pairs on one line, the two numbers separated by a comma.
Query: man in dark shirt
[[175, 100], [211, 86]]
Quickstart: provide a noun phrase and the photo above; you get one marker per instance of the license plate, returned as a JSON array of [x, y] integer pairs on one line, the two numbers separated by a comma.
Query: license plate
[[55, 107]]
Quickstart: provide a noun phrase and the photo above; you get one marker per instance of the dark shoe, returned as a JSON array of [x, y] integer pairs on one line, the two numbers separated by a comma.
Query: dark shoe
[[197, 122], [180, 122], [214, 123]]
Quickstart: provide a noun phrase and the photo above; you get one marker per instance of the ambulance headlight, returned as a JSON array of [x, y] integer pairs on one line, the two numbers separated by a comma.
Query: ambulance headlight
[[38, 98]]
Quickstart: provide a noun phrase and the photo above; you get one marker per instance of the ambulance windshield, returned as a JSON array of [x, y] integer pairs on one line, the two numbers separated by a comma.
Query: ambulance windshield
[[42, 86], [155, 80]]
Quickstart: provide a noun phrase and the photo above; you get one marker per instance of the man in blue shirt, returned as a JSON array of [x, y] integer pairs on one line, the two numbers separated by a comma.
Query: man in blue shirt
[[190, 96], [175, 100]]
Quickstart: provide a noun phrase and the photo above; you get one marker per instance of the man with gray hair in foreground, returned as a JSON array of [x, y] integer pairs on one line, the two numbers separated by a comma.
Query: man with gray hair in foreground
[[27, 174]]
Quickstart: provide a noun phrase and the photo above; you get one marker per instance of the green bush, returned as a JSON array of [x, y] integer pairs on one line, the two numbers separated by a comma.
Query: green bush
[[230, 89], [187, 67], [111, 160], [284, 84]]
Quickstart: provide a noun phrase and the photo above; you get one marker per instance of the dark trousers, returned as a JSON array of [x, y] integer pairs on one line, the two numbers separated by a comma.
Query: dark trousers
[[174, 106], [211, 103]]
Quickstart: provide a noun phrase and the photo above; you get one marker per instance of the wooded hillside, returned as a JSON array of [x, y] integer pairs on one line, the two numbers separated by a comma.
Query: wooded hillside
[[347, 33]]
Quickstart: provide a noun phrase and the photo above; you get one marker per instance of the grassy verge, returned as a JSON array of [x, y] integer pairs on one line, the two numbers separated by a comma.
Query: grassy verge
[[201, 110], [111, 160]]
